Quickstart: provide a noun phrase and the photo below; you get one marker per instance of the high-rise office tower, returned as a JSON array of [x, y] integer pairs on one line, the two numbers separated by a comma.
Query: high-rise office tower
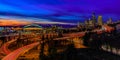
[[109, 21], [86, 22], [94, 18], [100, 22]]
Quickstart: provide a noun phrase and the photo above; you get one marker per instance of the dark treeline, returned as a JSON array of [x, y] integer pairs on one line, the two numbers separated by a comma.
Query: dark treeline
[[94, 40]]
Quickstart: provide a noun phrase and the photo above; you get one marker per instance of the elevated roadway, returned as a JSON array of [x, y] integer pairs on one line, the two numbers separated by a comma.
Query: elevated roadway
[[15, 54], [4, 48]]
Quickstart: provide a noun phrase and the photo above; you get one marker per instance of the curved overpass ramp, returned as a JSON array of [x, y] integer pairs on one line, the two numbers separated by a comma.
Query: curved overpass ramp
[[15, 54], [4, 49]]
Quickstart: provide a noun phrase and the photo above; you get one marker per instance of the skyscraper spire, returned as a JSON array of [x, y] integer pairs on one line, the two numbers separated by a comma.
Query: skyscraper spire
[[94, 18], [93, 14]]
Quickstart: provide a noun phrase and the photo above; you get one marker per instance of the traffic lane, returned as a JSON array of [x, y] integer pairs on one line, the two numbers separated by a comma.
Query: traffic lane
[[15, 54]]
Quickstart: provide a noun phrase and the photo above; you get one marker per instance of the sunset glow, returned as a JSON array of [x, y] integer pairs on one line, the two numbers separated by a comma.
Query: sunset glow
[[6, 22]]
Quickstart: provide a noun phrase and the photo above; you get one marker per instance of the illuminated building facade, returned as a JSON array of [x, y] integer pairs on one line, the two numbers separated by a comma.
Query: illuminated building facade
[[100, 22]]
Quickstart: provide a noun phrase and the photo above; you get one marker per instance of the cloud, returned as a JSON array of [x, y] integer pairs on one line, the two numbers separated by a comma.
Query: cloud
[[59, 10], [55, 23], [12, 22]]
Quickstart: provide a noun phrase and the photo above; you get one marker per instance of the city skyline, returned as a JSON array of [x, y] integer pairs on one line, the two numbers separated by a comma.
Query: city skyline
[[93, 20], [59, 30], [62, 11]]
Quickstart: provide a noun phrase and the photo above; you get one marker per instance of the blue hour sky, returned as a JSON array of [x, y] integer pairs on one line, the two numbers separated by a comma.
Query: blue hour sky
[[67, 11]]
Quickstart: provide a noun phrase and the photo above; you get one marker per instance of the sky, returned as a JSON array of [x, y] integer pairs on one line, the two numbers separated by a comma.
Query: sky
[[57, 11]]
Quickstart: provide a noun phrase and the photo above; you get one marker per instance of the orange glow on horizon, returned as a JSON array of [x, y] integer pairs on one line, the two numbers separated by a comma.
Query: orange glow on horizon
[[12, 22], [7, 22]]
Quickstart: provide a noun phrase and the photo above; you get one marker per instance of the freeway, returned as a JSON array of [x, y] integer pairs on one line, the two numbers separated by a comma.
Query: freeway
[[15, 54], [4, 49]]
